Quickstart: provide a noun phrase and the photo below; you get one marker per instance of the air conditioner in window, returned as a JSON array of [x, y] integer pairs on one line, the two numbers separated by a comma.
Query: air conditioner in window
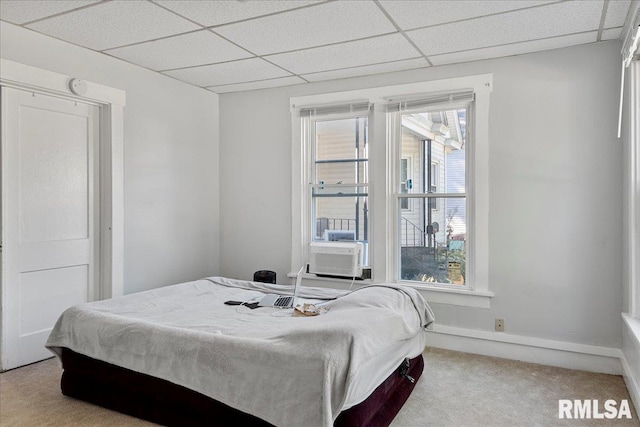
[[339, 235], [336, 258]]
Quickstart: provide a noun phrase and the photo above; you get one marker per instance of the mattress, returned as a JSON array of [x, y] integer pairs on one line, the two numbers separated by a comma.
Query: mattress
[[165, 403], [318, 366]]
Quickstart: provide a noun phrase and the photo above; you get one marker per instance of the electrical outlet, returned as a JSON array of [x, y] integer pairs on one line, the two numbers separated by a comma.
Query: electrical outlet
[[499, 325]]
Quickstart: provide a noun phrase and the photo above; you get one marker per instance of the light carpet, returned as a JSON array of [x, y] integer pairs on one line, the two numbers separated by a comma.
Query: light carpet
[[456, 389]]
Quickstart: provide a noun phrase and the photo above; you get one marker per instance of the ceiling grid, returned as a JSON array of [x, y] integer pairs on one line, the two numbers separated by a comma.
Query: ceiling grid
[[229, 46]]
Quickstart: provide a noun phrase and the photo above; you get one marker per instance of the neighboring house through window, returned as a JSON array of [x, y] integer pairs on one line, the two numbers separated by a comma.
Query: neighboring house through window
[[406, 183], [439, 255]]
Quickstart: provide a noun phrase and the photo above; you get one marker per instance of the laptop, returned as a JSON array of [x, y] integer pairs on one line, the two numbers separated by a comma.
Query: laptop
[[283, 301]]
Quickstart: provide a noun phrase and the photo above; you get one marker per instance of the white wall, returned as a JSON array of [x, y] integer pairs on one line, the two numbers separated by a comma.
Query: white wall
[[555, 189], [171, 160]]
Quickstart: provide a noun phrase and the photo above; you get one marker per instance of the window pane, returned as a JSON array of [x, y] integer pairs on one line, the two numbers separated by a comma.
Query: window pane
[[341, 139], [437, 142], [433, 242], [342, 213], [404, 169], [404, 185], [342, 219], [341, 172]]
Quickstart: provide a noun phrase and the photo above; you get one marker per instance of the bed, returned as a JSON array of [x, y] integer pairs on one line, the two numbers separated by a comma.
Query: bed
[[178, 356]]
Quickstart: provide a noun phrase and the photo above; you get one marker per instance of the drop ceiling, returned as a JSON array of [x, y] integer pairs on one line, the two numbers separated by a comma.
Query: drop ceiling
[[235, 45]]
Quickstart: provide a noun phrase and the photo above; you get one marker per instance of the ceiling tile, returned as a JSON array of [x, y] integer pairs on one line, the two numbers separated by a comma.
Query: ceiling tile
[[186, 50], [524, 25], [114, 24], [312, 26], [284, 81], [368, 70], [22, 11], [617, 11], [375, 50], [410, 14], [210, 13], [245, 70], [514, 49], [612, 34]]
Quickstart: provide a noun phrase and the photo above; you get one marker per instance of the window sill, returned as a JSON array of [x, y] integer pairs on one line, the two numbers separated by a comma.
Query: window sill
[[633, 323], [432, 294], [450, 296], [332, 282]]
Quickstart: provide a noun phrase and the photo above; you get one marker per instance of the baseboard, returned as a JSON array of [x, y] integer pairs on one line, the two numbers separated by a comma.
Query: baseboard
[[528, 349]]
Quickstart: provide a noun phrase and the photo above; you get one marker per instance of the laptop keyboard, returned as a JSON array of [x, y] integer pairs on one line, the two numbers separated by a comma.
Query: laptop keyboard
[[282, 302]]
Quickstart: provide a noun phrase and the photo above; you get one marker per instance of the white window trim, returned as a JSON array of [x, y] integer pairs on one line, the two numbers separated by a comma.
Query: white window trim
[[382, 169], [634, 192]]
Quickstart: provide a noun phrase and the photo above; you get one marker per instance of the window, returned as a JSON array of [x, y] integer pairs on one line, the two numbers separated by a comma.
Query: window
[[406, 183], [334, 152], [406, 170], [340, 177], [432, 238], [432, 183]]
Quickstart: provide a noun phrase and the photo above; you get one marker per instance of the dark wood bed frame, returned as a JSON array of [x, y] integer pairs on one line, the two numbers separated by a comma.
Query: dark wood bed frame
[[165, 403]]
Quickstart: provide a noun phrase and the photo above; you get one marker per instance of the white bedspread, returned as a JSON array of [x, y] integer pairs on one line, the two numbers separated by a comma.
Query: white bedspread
[[289, 371]]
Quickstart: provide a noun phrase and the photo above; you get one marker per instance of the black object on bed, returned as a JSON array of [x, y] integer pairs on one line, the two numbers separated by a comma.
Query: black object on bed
[[163, 402]]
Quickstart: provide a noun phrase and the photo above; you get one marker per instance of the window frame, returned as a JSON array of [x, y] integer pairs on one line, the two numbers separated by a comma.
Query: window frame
[[634, 191], [383, 201], [430, 196]]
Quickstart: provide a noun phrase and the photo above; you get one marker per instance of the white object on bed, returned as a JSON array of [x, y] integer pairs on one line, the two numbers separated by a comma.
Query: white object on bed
[[275, 300], [289, 371]]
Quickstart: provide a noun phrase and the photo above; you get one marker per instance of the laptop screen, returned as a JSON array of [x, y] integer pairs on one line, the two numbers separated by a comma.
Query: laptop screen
[[296, 287]]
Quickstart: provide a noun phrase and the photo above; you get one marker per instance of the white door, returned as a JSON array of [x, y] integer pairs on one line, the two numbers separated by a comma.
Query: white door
[[49, 160]]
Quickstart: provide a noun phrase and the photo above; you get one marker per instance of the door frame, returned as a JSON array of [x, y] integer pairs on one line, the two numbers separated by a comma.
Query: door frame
[[111, 103]]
